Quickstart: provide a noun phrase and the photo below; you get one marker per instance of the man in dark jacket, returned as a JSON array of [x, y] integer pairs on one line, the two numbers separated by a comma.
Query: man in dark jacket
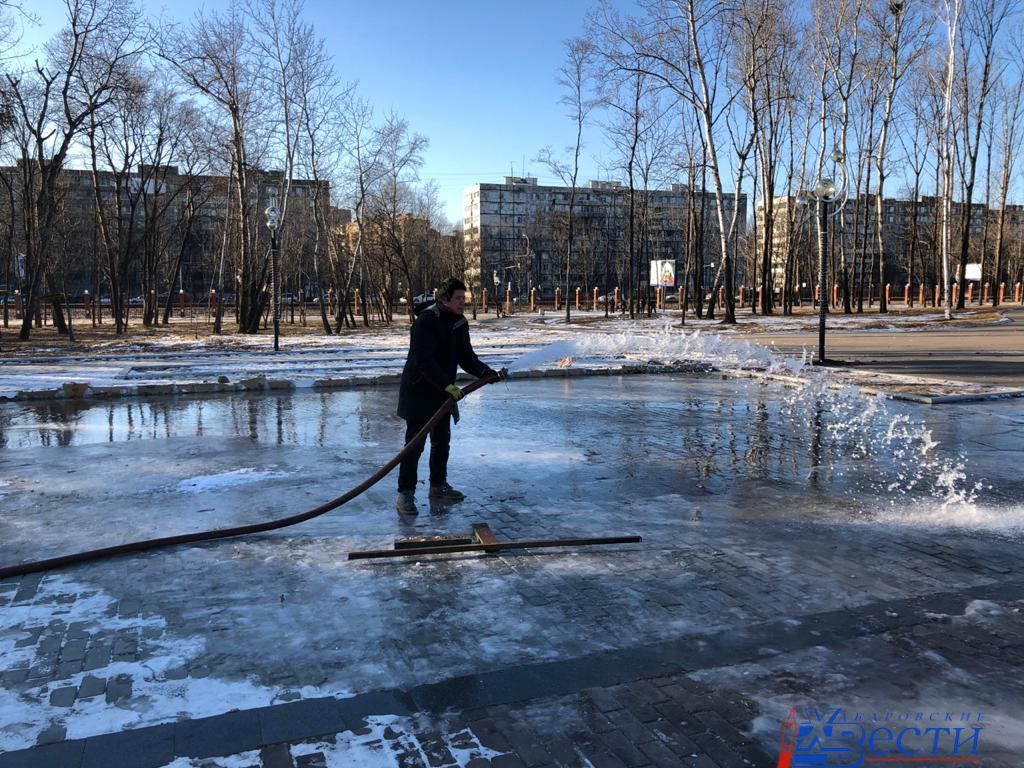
[[438, 345]]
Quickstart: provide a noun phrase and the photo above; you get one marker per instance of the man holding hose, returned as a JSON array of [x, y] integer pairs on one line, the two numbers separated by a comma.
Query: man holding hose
[[438, 345]]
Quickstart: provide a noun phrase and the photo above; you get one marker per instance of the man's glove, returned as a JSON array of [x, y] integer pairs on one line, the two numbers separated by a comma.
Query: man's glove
[[454, 391], [503, 374]]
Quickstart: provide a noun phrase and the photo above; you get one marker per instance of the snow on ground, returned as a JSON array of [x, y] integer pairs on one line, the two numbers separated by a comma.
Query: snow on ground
[[388, 741], [156, 695], [206, 483], [303, 360]]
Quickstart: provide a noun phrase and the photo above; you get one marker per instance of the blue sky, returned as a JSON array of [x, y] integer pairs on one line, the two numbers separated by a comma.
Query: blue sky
[[480, 80]]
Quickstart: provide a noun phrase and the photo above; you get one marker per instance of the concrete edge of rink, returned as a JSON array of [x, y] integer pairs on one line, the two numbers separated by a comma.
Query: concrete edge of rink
[[78, 390]]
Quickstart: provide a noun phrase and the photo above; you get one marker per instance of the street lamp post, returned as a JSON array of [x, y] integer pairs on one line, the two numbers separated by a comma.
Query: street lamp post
[[826, 194], [273, 216]]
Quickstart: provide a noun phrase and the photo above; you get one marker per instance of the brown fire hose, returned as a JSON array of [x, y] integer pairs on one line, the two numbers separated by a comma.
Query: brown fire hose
[[243, 530]]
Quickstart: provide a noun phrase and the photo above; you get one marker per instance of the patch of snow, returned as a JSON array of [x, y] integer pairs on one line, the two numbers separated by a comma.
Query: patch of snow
[[155, 698], [207, 483], [983, 609], [389, 741], [241, 760]]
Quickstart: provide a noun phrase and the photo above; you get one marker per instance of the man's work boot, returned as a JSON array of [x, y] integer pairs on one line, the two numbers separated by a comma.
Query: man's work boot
[[406, 504], [445, 492]]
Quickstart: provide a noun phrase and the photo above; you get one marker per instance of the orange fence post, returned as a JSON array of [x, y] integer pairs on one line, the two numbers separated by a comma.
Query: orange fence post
[[888, 293], [937, 296], [577, 298], [1017, 295], [970, 291], [1002, 292], [558, 299], [680, 299], [533, 299], [742, 291], [615, 306], [984, 294], [835, 295], [508, 301], [594, 307], [87, 303], [956, 292], [483, 300]]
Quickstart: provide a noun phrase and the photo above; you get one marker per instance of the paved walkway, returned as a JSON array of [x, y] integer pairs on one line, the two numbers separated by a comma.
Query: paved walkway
[[896, 623], [984, 354]]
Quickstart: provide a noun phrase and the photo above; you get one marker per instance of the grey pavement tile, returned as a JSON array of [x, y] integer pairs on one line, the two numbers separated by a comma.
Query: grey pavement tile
[[150, 747], [220, 735], [302, 719], [276, 756], [63, 697], [64, 754], [55, 732]]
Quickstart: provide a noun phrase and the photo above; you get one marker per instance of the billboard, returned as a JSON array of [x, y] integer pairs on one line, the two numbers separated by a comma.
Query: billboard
[[973, 272], [663, 272]]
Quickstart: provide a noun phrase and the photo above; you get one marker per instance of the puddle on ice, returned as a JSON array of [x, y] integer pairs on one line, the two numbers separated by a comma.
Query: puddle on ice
[[808, 451]]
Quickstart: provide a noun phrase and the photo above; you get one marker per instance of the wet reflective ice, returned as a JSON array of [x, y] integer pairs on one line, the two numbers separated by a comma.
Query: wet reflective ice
[[738, 446]]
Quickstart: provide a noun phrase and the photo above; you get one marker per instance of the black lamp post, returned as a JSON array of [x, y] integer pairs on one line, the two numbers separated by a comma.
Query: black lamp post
[[826, 193], [273, 215]]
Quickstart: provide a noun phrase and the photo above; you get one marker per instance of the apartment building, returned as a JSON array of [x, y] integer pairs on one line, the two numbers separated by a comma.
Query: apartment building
[[910, 228], [190, 211], [516, 233]]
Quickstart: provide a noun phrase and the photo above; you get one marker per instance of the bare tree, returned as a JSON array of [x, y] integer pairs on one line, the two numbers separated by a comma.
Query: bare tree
[[372, 151], [215, 56], [573, 79], [901, 34], [87, 63], [978, 45], [838, 44], [952, 21], [766, 45], [1010, 117]]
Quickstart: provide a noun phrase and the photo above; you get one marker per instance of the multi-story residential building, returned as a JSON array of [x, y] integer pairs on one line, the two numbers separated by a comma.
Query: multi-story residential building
[[191, 210], [907, 223], [516, 233]]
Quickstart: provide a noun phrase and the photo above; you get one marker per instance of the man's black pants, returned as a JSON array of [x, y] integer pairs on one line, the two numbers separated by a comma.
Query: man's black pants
[[440, 440]]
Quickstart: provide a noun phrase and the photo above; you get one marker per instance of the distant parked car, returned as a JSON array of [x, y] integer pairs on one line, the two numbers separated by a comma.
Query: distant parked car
[[162, 298], [422, 297]]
